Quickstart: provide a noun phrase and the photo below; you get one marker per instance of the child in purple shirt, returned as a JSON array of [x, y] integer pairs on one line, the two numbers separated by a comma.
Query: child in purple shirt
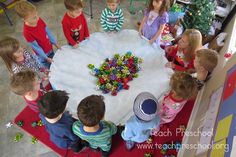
[[154, 20]]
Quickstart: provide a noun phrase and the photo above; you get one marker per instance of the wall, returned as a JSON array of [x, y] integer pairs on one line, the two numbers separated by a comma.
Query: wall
[[202, 101]]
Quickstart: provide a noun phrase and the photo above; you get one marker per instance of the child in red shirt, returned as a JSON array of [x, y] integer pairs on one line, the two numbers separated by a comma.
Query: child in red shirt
[[27, 84], [181, 56], [36, 32], [74, 24]]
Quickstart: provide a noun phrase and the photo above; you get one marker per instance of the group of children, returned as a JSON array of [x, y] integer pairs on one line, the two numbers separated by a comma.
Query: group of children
[[192, 64]]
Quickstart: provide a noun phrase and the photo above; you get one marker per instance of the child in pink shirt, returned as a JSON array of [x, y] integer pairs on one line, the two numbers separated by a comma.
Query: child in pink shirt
[[183, 87]]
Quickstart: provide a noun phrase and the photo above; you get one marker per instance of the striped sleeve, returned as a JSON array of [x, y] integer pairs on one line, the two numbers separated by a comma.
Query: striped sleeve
[[121, 20], [103, 20], [112, 127]]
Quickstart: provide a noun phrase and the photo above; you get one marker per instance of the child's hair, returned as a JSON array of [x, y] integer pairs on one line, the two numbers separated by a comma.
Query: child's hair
[[8, 46], [23, 82], [73, 4], [207, 58], [53, 103], [113, 1], [24, 8], [195, 41], [164, 6], [183, 84], [91, 110]]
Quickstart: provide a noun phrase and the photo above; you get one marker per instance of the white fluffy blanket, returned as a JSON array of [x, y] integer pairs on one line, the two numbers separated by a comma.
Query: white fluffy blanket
[[70, 72]]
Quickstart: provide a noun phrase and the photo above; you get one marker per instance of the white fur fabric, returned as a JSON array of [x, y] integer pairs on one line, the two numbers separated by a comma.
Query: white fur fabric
[[69, 71]]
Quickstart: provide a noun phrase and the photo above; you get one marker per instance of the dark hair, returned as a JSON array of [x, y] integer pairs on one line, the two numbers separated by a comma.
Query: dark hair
[[91, 110], [164, 6], [53, 103], [73, 4]]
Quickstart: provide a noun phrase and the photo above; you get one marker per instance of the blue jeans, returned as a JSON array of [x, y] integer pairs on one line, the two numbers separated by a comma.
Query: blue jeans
[[44, 61]]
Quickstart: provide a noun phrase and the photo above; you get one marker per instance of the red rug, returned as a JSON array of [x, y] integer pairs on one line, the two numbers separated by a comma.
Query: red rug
[[168, 134]]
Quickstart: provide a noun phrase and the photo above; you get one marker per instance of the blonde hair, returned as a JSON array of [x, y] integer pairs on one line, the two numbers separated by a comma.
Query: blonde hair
[[24, 8], [8, 46], [207, 58], [164, 6], [113, 1], [73, 4], [195, 41], [183, 84], [23, 82]]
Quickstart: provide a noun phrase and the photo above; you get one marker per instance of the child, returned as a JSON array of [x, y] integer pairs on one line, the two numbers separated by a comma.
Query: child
[[205, 62], [154, 20], [58, 123], [36, 32], [181, 56], [91, 128], [138, 128], [112, 18], [27, 84], [182, 87], [17, 58], [74, 23]]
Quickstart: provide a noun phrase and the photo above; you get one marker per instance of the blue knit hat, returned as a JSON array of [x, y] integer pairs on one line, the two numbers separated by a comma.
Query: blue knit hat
[[145, 106]]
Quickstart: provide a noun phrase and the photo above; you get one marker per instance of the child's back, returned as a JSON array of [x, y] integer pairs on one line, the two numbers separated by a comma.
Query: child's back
[[60, 132], [91, 128], [58, 123], [138, 128], [99, 139]]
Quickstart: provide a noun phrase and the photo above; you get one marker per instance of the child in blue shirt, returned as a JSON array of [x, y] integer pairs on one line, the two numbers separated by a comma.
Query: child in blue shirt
[[59, 123], [139, 126]]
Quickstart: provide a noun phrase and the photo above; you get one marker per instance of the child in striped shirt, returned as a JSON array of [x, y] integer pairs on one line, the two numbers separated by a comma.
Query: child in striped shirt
[[90, 126], [112, 17]]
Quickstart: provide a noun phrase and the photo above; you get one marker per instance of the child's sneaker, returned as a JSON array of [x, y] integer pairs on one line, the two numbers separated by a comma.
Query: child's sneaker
[[129, 145]]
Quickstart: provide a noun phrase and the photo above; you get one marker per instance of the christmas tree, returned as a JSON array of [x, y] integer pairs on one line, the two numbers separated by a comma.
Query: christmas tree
[[199, 15]]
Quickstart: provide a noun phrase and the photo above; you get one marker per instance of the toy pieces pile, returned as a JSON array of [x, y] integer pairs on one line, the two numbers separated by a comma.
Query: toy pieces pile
[[115, 73]]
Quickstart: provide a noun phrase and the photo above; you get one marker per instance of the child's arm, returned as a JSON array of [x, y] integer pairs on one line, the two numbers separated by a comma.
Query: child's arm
[[52, 38], [121, 21], [142, 24], [40, 51], [113, 127], [103, 20], [189, 68], [163, 21], [69, 38], [160, 30]]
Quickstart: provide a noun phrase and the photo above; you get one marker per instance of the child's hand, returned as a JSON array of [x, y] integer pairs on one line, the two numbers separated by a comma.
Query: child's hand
[[58, 46], [49, 60], [152, 41], [170, 65], [168, 49], [140, 33], [76, 46]]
